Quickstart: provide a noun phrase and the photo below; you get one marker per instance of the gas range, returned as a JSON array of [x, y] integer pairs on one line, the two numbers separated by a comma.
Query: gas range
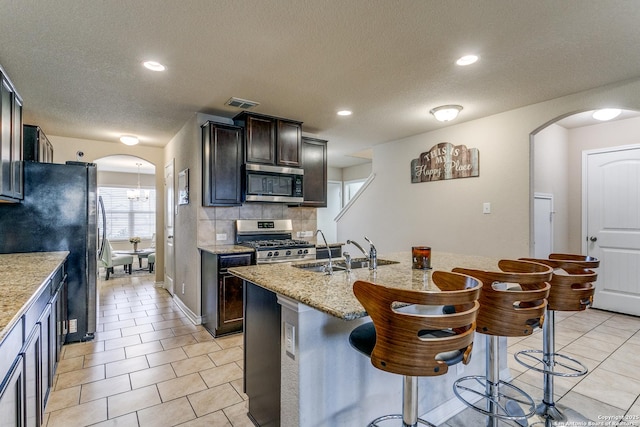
[[272, 241]]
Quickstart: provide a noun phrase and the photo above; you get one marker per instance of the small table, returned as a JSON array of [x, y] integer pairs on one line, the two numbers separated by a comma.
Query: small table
[[143, 253]]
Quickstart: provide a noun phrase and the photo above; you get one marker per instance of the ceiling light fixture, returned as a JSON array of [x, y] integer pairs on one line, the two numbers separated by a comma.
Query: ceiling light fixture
[[344, 113], [154, 66], [129, 139], [606, 114], [446, 113], [467, 60], [136, 194]]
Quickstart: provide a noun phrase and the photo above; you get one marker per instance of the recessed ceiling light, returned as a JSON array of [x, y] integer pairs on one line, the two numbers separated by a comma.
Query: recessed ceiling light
[[154, 66], [446, 113], [344, 113], [467, 60], [606, 114], [129, 139]]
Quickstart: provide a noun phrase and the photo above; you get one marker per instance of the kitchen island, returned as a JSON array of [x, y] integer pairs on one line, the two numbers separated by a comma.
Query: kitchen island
[[297, 354]]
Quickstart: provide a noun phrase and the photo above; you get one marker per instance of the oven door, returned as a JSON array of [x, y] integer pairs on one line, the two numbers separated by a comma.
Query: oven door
[[273, 184]]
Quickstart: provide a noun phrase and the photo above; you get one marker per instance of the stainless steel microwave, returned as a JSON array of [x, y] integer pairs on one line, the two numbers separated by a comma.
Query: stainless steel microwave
[[266, 183]]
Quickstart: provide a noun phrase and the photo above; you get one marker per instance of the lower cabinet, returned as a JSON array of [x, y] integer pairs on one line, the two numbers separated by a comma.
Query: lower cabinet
[[25, 388], [222, 293]]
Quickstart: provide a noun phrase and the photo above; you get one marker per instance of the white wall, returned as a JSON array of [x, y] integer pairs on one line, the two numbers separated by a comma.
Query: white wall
[[551, 175], [447, 215], [357, 172]]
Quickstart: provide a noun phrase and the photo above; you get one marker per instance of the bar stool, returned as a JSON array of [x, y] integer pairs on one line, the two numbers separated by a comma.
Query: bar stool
[[572, 289], [412, 344], [509, 311]]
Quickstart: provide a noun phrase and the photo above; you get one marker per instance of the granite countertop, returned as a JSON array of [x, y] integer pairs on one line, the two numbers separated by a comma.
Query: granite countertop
[[225, 249], [334, 294], [21, 276]]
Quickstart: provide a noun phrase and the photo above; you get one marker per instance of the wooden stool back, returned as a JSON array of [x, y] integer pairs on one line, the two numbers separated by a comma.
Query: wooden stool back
[[572, 286], [515, 311], [399, 347]]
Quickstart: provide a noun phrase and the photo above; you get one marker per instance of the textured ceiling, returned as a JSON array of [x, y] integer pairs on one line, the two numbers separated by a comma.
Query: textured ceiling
[[77, 63]]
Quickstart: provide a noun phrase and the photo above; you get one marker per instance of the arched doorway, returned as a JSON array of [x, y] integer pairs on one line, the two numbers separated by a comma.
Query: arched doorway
[[126, 185], [560, 170]]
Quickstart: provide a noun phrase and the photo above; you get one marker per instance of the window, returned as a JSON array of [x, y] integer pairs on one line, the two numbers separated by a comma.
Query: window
[[127, 218]]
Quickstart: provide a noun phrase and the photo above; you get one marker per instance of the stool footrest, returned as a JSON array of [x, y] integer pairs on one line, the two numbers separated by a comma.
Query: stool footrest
[[499, 402], [535, 359], [383, 418]]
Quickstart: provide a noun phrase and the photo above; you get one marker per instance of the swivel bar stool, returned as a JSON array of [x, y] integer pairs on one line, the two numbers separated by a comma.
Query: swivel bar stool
[[512, 304], [412, 344], [572, 289]]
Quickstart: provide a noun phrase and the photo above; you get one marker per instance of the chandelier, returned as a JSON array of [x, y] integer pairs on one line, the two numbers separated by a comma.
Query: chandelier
[[136, 194]]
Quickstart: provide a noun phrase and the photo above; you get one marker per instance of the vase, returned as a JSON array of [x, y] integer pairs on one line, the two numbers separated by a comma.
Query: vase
[[135, 247]]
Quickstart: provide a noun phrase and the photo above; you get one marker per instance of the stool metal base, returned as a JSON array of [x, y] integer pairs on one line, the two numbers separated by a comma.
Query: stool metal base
[[383, 418], [554, 415], [573, 368], [497, 406]]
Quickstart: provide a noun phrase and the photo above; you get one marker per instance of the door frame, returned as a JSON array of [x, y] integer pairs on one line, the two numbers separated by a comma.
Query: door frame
[[170, 214]]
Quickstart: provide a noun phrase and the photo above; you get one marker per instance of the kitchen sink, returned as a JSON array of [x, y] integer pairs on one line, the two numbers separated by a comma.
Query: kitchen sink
[[339, 265]]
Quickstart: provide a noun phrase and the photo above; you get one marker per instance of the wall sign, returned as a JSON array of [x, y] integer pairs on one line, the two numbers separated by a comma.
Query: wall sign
[[445, 161]]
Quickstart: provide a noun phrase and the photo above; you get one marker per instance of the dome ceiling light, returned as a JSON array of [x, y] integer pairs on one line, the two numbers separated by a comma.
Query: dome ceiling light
[[606, 114], [467, 60], [129, 139], [446, 113], [344, 113], [154, 66]]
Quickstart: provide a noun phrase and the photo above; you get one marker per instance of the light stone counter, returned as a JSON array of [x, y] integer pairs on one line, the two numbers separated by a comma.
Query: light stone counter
[[334, 295], [225, 249], [21, 277]]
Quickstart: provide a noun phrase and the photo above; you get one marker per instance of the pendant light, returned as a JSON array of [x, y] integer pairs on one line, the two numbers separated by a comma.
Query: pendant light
[[136, 194]]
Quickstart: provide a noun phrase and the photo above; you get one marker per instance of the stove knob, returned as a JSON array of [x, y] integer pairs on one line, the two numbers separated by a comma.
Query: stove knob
[[276, 253], [300, 252], [288, 253], [306, 251], [270, 254]]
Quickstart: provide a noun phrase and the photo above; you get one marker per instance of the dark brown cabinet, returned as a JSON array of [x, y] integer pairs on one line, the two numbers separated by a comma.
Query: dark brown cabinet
[[271, 140], [222, 293], [221, 165], [11, 175], [314, 163], [37, 147]]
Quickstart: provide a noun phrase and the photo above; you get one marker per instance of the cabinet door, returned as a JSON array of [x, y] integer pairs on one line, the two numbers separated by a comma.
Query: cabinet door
[[6, 97], [48, 341], [260, 140], [314, 163], [61, 318], [12, 396], [289, 143], [222, 165], [16, 149], [230, 312], [32, 377]]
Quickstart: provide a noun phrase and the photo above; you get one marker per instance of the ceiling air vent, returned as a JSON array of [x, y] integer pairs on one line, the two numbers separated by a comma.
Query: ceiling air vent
[[245, 104]]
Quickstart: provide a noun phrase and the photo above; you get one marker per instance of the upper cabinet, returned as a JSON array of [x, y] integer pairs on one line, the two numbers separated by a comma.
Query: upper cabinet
[[314, 163], [11, 169], [271, 140], [37, 147], [221, 164]]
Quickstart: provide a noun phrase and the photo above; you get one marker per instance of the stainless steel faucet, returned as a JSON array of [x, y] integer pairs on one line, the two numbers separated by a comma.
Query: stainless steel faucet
[[372, 255], [328, 269]]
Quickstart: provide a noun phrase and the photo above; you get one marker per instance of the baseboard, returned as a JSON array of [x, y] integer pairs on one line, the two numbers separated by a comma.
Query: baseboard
[[195, 319]]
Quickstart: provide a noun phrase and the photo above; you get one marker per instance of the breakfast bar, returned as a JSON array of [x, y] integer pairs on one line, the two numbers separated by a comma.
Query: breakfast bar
[[300, 369]]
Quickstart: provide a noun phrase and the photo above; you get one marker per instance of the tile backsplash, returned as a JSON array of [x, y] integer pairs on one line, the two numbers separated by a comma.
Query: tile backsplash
[[221, 220]]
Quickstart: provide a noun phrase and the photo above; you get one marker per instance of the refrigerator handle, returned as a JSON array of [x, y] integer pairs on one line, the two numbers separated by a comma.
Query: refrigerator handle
[[103, 217]]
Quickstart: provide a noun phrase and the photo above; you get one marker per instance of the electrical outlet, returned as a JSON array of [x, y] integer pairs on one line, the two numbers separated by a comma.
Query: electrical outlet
[[221, 236], [73, 326], [290, 340], [308, 234], [183, 289], [486, 208]]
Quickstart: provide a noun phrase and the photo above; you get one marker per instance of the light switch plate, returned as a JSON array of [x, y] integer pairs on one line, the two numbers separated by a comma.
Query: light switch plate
[[486, 208], [290, 340], [221, 236]]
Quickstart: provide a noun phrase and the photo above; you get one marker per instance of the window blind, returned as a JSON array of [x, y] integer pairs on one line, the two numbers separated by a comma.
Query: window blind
[[127, 218]]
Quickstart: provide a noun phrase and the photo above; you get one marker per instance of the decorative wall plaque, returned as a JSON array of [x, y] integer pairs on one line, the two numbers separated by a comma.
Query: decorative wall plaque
[[445, 161]]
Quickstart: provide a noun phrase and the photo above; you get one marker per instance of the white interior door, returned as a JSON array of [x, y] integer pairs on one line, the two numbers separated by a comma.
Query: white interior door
[[542, 225], [169, 212], [611, 230]]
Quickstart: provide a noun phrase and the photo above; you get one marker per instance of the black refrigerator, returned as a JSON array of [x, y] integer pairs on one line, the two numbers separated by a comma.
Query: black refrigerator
[[59, 213]]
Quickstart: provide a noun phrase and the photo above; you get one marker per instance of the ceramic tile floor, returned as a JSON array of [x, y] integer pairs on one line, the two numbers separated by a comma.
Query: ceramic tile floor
[[150, 366]]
